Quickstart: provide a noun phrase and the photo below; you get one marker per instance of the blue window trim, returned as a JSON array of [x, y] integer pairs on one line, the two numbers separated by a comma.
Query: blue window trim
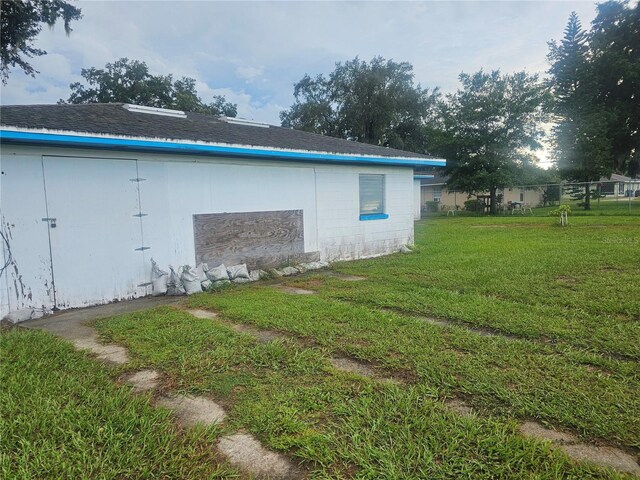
[[132, 144], [373, 216]]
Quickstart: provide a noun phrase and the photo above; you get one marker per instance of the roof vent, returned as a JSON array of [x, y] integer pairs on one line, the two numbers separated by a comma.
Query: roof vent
[[244, 121], [154, 110]]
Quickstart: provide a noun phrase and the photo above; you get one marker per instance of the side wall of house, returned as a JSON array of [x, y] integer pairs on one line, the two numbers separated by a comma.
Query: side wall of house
[[109, 213]]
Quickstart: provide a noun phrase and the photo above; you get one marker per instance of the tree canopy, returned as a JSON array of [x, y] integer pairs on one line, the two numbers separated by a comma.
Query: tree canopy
[[129, 81], [20, 23], [374, 102], [595, 79], [488, 129], [581, 146]]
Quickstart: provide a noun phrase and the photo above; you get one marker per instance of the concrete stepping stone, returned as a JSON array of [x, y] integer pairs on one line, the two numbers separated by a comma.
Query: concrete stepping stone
[[143, 381], [261, 335], [243, 451], [199, 313], [604, 456], [294, 290], [107, 352], [534, 429], [350, 278], [352, 366], [191, 411], [459, 406]]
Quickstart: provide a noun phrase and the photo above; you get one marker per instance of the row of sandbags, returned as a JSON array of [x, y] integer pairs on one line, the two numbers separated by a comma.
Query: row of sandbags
[[189, 280]]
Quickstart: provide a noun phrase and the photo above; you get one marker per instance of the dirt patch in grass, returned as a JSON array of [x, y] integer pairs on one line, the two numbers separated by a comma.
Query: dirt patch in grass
[[611, 269]]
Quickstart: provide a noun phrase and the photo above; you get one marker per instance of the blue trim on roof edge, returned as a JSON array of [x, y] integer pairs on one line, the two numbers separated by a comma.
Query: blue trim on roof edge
[[420, 177], [373, 216], [9, 136]]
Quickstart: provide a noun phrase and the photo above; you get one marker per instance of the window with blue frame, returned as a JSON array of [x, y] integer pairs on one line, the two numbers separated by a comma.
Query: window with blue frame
[[372, 197]]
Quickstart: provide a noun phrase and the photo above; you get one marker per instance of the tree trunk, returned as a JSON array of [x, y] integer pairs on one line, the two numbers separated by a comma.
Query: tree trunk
[[587, 196], [492, 201]]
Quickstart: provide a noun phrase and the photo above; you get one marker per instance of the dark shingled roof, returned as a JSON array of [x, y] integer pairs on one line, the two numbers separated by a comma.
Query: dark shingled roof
[[113, 119]]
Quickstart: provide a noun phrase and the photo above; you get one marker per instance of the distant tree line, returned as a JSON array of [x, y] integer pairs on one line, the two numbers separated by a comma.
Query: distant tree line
[[488, 129]]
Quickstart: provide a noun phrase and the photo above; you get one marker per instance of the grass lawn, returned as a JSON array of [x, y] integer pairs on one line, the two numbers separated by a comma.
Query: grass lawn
[[61, 416], [562, 303]]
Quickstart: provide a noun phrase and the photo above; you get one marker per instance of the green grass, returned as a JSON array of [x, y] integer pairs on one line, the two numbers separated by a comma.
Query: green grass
[[339, 425], [61, 416], [522, 276], [562, 303]]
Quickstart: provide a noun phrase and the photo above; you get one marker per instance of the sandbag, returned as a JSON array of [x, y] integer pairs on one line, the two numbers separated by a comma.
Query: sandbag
[[238, 272], [288, 271], [201, 272], [159, 280], [174, 285], [218, 273], [255, 275], [190, 280]]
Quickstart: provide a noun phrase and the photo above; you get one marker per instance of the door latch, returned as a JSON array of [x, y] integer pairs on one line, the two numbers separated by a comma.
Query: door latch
[[52, 222]]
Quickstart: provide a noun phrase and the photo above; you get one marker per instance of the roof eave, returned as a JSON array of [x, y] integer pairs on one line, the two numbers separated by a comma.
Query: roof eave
[[80, 140]]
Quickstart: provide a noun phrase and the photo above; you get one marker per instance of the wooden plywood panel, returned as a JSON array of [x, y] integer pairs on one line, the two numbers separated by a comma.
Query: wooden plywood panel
[[259, 239]]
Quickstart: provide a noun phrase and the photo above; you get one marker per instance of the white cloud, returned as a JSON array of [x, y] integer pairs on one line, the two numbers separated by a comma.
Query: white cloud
[[254, 52], [249, 74]]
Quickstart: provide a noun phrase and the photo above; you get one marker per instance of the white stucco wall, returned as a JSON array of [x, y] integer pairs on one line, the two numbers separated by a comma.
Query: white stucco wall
[[94, 201]]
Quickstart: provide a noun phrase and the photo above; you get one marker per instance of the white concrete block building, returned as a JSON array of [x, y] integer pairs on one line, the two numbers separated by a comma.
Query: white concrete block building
[[89, 193]]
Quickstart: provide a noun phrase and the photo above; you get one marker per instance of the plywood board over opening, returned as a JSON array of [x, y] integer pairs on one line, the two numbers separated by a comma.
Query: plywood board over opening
[[259, 239]]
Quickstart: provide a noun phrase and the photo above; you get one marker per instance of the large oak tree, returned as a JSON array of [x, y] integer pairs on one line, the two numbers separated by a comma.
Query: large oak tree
[[488, 130], [129, 81], [374, 102]]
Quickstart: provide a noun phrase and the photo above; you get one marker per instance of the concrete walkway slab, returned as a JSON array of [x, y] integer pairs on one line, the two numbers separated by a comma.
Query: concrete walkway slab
[[191, 411], [70, 325], [246, 453]]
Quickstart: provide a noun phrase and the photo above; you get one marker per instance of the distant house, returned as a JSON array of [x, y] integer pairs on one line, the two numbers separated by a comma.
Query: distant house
[[618, 185], [90, 193], [435, 190]]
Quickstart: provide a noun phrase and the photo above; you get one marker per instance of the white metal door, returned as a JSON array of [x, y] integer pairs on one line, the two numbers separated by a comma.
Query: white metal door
[[95, 234], [25, 277]]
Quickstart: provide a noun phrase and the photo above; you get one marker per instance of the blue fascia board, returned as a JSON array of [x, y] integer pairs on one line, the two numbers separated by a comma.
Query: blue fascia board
[[373, 216], [421, 177], [131, 144]]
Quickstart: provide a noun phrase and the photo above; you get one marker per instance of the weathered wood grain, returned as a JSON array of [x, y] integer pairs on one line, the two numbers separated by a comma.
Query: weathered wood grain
[[259, 239]]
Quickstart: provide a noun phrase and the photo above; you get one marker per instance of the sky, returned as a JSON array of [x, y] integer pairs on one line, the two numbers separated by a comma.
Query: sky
[[254, 52]]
